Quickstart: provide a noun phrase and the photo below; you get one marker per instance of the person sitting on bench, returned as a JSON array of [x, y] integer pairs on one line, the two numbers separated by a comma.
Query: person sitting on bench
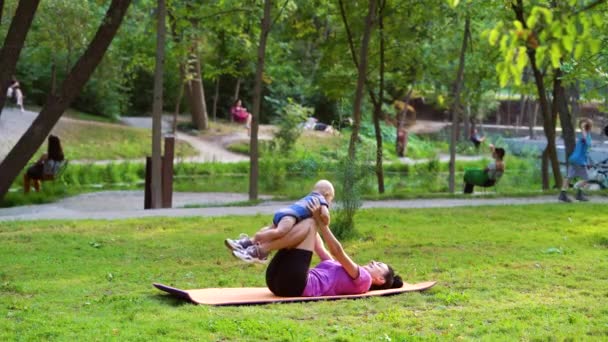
[[240, 114], [46, 167], [488, 176]]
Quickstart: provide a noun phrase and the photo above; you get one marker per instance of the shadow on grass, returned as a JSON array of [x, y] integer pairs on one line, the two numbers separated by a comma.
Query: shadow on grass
[[167, 299]]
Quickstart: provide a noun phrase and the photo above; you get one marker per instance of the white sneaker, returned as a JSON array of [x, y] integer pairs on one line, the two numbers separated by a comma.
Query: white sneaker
[[251, 254]]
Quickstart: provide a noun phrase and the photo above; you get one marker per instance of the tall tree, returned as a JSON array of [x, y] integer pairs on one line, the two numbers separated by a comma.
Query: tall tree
[[455, 106], [13, 43], [257, 100], [157, 107], [56, 104], [195, 91], [376, 100], [361, 78], [378, 104], [550, 152], [544, 34]]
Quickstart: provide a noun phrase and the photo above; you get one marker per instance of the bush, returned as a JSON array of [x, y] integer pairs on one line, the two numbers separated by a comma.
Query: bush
[[352, 176], [290, 125]]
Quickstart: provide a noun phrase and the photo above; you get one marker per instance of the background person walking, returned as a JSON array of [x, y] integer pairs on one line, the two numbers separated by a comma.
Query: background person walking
[[578, 163]]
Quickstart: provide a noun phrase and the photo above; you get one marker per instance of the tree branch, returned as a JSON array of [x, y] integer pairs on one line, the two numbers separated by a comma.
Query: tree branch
[[278, 15], [590, 6], [349, 34]]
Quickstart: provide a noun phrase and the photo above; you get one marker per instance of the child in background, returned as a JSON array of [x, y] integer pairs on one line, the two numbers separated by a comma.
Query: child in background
[[578, 163]]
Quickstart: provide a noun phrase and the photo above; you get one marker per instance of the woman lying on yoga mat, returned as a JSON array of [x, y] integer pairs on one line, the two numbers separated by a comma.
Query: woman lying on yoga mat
[[289, 273]]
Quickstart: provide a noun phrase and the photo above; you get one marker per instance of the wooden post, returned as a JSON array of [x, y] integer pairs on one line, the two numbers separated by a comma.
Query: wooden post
[[167, 172], [147, 185]]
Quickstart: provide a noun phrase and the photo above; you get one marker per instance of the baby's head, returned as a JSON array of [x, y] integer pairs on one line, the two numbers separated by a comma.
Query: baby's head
[[325, 188]]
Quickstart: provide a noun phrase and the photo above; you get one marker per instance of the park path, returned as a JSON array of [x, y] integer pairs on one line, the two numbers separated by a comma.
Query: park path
[[128, 204], [13, 124]]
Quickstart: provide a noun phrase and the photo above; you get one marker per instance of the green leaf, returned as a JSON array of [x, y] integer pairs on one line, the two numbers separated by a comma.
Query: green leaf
[[493, 38], [556, 29], [548, 14], [595, 45], [556, 54], [597, 19], [503, 74], [453, 3], [541, 52], [503, 43], [571, 28], [568, 42], [521, 59], [518, 25], [578, 51], [532, 19]]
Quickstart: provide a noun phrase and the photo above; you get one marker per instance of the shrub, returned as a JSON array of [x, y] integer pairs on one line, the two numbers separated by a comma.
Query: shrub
[[290, 125], [351, 177]]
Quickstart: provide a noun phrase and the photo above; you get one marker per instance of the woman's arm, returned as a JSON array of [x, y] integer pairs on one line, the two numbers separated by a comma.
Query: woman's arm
[[320, 249], [335, 247]]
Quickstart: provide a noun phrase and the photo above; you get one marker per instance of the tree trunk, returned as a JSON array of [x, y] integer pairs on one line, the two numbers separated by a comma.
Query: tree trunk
[[560, 104], [508, 120], [257, 101], [533, 114], [548, 125], [362, 76], [1, 10], [53, 78], [196, 93], [522, 112], [378, 104], [466, 120], [180, 95], [544, 167], [55, 105], [574, 99], [13, 43], [216, 96], [157, 108], [237, 90], [400, 127], [455, 104]]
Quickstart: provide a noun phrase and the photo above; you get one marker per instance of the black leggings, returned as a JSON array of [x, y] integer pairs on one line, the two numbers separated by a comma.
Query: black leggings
[[287, 274]]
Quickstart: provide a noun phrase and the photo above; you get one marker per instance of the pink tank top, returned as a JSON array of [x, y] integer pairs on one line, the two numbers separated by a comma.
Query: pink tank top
[[329, 278]]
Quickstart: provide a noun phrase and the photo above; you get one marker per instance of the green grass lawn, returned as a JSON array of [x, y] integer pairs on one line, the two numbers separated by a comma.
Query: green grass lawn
[[535, 272], [86, 140]]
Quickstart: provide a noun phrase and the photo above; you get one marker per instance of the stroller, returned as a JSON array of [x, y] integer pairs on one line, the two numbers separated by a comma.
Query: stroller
[[598, 176]]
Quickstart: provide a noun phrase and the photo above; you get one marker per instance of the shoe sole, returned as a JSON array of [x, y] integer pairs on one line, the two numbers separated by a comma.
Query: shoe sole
[[229, 245], [250, 260]]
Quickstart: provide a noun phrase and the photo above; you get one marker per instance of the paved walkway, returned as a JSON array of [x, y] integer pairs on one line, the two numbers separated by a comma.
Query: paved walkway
[[129, 204]]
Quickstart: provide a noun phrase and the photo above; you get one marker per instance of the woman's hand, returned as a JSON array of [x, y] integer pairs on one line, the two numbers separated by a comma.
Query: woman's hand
[[315, 208]]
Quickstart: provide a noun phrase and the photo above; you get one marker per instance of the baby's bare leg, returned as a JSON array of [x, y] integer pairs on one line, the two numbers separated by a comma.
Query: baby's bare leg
[[301, 236], [284, 227]]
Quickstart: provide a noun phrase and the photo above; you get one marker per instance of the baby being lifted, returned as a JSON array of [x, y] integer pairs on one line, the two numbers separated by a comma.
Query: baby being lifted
[[246, 248]]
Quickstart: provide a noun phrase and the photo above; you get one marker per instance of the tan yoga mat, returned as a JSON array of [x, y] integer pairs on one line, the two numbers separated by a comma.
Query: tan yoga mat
[[261, 295]]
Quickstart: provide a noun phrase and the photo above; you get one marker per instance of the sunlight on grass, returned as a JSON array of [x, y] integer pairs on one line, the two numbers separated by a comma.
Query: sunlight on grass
[[99, 141], [505, 273]]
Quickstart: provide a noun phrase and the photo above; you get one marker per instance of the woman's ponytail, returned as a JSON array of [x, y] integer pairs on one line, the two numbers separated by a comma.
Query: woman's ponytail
[[397, 282]]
